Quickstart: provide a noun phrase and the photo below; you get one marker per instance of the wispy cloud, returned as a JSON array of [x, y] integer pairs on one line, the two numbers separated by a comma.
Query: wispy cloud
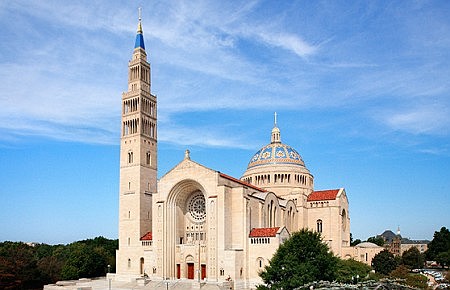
[[182, 135], [208, 56], [425, 119], [288, 41]]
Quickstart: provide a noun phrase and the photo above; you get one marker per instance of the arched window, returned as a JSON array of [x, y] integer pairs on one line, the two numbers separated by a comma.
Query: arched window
[[130, 157], [259, 262], [149, 158], [129, 263], [344, 220], [319, 226]]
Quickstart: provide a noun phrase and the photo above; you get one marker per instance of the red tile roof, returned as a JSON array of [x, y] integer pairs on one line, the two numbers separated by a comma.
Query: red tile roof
[[323, 195], [263, 232], [147, 237], [241, 182]]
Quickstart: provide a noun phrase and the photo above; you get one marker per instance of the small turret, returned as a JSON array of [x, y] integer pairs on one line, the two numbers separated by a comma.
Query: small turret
[[276, 137]]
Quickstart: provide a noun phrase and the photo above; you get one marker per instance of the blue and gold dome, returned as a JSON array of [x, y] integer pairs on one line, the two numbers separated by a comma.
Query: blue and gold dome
[[276, 153]]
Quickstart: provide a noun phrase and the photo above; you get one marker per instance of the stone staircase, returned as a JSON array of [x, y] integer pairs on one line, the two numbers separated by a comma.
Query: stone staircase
[[184, 285]]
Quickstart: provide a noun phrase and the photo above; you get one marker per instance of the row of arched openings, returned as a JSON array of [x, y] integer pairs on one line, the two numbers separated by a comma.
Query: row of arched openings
[[139, 72], [278, 178]]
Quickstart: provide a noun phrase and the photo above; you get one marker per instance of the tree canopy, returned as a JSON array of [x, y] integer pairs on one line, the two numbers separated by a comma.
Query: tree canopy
[[439, 247], [413, 259], [376, 240], [301, 259], [24, 266], [348, 269], [384, 262]]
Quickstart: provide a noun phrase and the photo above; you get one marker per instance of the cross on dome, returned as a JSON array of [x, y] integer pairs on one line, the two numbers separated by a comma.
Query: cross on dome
[[276, 137]]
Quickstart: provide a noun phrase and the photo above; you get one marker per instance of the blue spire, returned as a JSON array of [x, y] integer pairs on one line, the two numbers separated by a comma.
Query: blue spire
[[139, 36]]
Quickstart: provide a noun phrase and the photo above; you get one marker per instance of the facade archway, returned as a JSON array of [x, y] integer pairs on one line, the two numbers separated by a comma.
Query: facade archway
[[186, 229]]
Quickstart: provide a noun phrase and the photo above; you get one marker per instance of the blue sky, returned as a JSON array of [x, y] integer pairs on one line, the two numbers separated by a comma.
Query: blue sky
[[361, 88]]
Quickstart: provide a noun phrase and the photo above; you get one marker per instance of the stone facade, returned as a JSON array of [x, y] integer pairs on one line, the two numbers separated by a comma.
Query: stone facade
[[362, 252], [197, 224]]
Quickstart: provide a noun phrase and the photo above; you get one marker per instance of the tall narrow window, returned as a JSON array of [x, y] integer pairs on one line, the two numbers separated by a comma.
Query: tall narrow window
[[130, 157], [149, 158], [319, 226]]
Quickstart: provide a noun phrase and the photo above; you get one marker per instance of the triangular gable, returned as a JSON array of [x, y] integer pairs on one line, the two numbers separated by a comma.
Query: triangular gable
[[186, 163]]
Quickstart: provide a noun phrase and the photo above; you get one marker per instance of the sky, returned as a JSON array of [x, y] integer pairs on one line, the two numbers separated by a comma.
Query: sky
[[361, 90]]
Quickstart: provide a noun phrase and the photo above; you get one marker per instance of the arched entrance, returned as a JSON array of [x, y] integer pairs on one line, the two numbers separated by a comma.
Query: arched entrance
[[187, 231]]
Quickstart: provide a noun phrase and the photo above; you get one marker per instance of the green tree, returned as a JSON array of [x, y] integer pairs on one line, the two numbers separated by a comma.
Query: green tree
[[443, 258], [413, 280], [301, 259], [384, 262], [84, 261], [400, 272], [412, 258], [18, 265], [376, 240], [347, 269], [354, 242], [439, 244], [30, 267]]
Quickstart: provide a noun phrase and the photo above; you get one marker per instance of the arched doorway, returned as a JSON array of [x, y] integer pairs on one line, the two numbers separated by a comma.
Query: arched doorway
[[187, 231], [190, 267]]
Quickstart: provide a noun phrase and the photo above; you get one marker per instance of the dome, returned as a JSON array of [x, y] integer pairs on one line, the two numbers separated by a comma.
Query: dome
[[277, 167], [276, 153], [367, 245]]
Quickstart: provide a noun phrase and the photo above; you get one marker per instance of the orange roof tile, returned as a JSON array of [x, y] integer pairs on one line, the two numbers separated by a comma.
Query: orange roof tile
[[263, 232], [241, 182], [147, 237], [323, 195]]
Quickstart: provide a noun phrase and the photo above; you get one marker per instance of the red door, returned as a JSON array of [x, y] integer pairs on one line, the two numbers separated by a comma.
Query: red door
[[203, 272], [178, 271], [190, 270]]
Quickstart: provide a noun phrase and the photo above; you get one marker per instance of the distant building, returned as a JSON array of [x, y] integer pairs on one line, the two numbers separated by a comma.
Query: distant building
[[397, 245]]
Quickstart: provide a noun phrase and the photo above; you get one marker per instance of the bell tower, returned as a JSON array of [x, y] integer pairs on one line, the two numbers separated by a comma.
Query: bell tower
[[138, 160]]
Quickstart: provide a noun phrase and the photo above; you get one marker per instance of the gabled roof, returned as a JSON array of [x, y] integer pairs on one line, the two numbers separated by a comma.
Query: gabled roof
[[330, 194], [147, 237], [263, 232], [241, 182]]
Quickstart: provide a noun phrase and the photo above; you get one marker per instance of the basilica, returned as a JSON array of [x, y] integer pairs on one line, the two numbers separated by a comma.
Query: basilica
[[199, 225]]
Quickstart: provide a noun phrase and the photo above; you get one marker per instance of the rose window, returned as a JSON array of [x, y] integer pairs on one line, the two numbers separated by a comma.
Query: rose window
[[196, 207]]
